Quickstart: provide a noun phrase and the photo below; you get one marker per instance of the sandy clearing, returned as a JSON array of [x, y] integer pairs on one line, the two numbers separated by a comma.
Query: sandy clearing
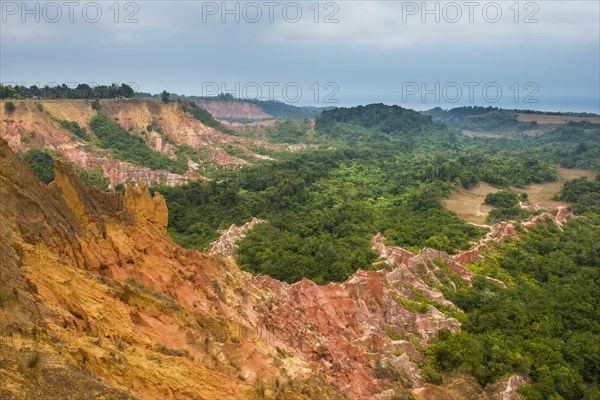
[[555, 119], [468, 203]]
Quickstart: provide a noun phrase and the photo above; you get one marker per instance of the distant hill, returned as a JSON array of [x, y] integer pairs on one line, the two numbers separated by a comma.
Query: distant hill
[[378, 117], [228, 108], [283, 110], [476, 121], [381, 127]]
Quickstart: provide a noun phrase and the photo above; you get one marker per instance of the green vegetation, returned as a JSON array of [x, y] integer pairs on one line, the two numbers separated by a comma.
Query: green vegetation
[[584, 193], [576, 144], [130, 148], [482, 119], [93, 177], [156, 127], [504, 199], [164, 96], [507, 214], [545, 325], [203, 116], [9, 106], [524, 197], [82, 91], [289, 132], [96, 105], [506, 206], [381, 169], [41, 164], [69, 125], [319, 222], [75, 128]]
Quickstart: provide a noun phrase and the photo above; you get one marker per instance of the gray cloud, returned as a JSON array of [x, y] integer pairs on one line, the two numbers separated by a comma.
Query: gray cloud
[[374, 49]]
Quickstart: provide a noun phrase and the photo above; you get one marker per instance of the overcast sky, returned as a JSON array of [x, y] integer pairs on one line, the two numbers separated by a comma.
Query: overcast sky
[[536, 55]]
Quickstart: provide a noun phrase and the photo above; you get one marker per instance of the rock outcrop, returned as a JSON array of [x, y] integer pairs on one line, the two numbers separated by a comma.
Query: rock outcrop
[[121, 172], [146, 208], [226, 245], [507, 389], [398, 257], [234, 109]]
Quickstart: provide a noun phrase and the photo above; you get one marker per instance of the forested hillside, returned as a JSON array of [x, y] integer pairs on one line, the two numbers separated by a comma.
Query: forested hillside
[[494, 121], [545, 325], [382, 169]]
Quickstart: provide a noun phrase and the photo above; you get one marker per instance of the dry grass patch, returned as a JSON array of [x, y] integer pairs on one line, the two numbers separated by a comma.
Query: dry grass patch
[[468, 203]]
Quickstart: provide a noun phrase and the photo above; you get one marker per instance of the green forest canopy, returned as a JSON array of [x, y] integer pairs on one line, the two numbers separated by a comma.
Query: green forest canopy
[[380, 169]]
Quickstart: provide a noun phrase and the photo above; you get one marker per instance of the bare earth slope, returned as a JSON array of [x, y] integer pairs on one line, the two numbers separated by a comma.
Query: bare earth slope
[[234, 109], [35, 125]]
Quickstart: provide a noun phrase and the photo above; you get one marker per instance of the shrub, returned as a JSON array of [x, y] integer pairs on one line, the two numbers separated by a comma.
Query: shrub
[[161, 348], [34, 360], [93, 177], [506, 214], [9, 106], [75, 128], [131, 148], [504, 199], [41, 163]]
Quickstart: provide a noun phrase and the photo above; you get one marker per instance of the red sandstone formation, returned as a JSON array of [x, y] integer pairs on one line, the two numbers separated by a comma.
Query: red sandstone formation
[[43, 131], [226, 245]]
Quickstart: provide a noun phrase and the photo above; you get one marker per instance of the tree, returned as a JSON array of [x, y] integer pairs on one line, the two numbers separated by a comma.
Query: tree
[[96, 104], [84, 91], [164, 96], [41, 164], [524, 197], [503, 199], [125, 91], [9, 106]]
